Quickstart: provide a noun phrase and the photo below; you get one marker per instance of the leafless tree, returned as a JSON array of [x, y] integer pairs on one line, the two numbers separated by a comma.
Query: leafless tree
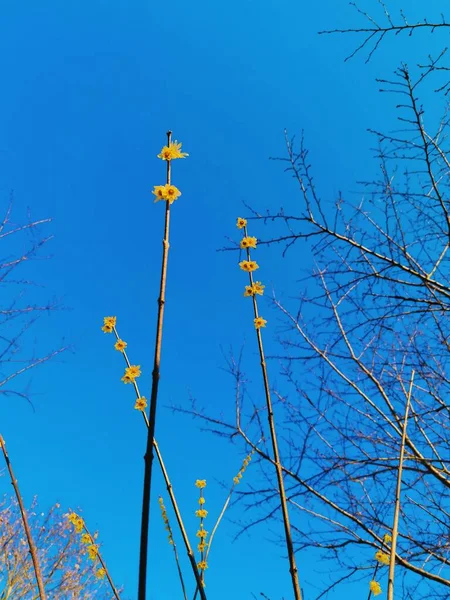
[[373, 311]]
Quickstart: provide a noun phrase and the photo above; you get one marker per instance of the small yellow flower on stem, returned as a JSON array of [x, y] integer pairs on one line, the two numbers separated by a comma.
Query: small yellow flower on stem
[[72, 517], [79, 525], [202, 546], [92, 551], [202, 533], [387, 538], [241, 223], [382, 557], [141, 403], [172, 151], [86, 538], [201, 500], [110, 321], [166, 192], [235, 480], [120, 345], [249, 265], [133, 371], [202, 565], [375, 587], [259, 322], [100, 573], [201, 513], [252, 290], [200, 483], [127, 379], [248, 242]]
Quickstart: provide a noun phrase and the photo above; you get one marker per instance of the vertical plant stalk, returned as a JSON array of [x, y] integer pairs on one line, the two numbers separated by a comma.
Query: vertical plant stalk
[[102, 562], [148, 458], [170, 491], [276, 455], [31, 545], [174, 546], [390, 593]]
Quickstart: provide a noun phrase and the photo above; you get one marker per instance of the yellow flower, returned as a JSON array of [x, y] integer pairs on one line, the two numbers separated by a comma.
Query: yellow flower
[[100, 574], [92, 551], [120, 345], [127, 379], [166, 192], [202, 546], [252, 290], [110, 321], [258, 288], [202, 534], [86, 538], [107, 328], [72, 517], [241, 223], [249, 265], [158, 190], [133, 371], [172, 151], [79, 525], [375, 587], [201, 513], [235, 480], [141, 403], [259, 322], [201, 500], [382, 557], [200, 483], [248, 242], [387, 538], [202, 565]]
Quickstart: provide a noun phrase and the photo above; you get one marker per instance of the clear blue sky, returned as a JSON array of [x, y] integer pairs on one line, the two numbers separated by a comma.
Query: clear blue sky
[[89, 90]]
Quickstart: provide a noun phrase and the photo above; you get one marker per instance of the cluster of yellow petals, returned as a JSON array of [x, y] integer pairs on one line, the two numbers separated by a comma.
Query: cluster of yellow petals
[[120, 345], [248, 242], [166, 192], [108, 324], [245, 464], [100, 574], [387, 538], [93, 551], [256, 288], [200, 483], [241, 223], [172, 151], [76, 521], [259, 322], [382, 557], [202, 533], [249, 265], [375, 587], [202, 565], [141, 403], [131, 373], [166, 520]]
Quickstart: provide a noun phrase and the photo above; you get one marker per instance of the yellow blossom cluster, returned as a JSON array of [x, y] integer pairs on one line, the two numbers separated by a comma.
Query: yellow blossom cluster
[[166, 520], [172, 151], [245, 464], [387, 538], [202, 534], [382, 557], [375, 587], [169, 192], [108, 324], [166, 192], [249, 266], [86, 539], [131, 373], [120, 345]]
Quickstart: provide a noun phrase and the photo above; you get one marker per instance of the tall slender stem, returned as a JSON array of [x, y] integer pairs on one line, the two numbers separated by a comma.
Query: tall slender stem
[[276, 455], [390, 593], [148, 458], [31, 545], [169, 490], [102, 562]]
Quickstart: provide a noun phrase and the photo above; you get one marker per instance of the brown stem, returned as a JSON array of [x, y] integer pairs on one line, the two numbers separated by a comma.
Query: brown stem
[[148, 458], [102, 562], [390, 593], [169, 490], [276, 455], [31, 545]]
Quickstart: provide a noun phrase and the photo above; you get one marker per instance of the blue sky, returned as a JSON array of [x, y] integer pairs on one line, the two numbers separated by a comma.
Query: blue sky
[[90, 89]]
